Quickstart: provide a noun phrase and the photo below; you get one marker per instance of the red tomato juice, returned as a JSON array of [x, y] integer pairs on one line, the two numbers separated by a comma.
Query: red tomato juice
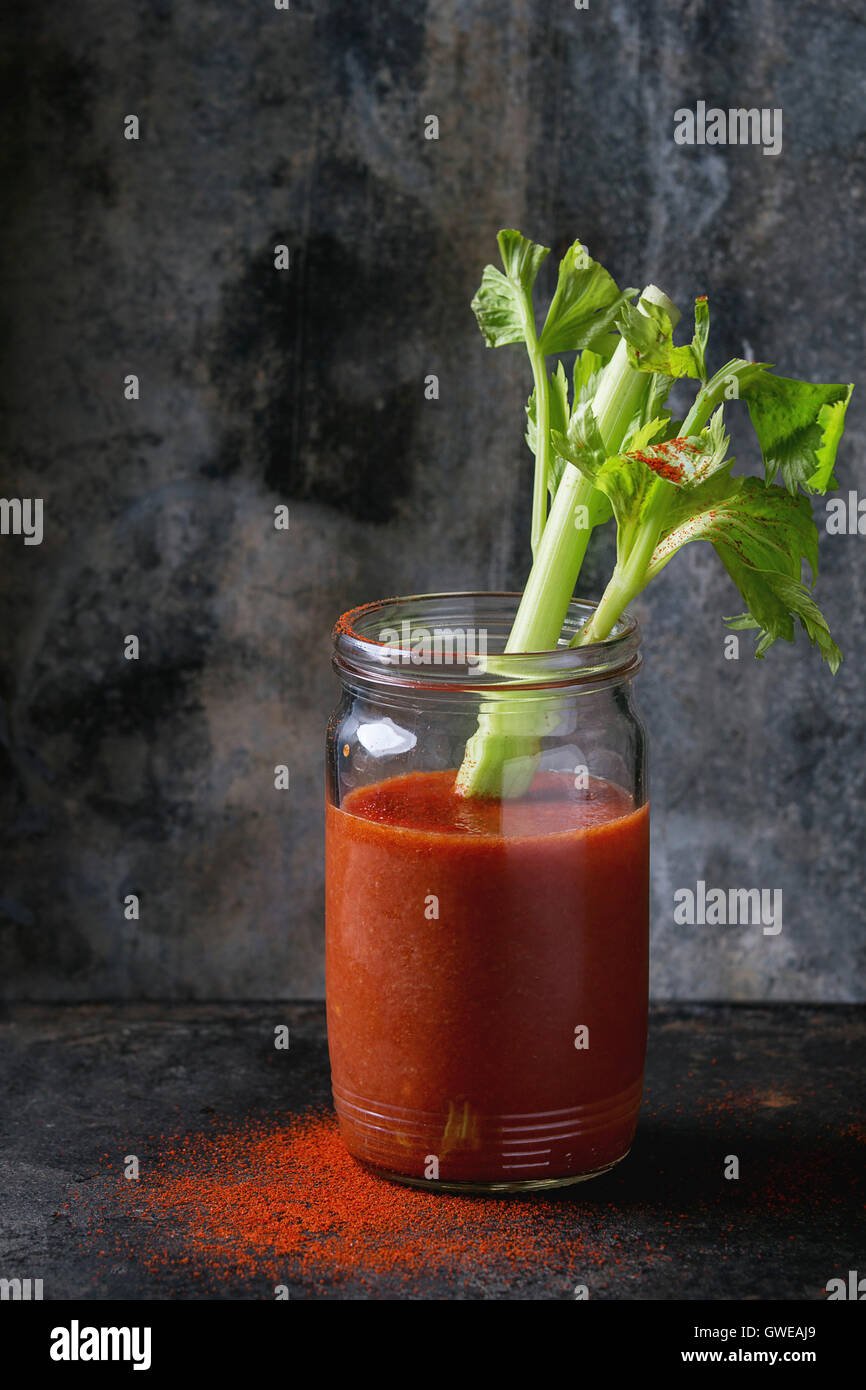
[[487, 978]]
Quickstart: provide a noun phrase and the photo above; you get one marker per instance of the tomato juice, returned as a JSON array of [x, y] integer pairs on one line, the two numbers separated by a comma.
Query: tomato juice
[[487, 971]]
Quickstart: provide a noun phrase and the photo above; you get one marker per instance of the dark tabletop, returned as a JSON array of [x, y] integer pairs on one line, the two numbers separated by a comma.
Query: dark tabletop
[[778, 1088]]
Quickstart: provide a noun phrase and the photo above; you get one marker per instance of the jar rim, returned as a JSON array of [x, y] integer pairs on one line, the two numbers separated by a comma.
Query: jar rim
[[459, 658]]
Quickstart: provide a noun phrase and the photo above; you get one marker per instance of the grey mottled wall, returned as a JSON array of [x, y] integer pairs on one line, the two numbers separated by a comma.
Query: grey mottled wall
[[156, 257]]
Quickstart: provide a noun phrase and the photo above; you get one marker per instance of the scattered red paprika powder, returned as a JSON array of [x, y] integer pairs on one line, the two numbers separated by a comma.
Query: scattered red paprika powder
[[261, 1203], [287, 1202], [657, 457]]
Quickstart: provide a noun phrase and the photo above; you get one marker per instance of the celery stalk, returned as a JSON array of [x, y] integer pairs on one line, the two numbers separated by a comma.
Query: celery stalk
[[613, 448], [501, 755]]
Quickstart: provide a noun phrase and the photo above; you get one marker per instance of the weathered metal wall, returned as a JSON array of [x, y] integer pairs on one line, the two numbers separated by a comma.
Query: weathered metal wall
[[306, 128]]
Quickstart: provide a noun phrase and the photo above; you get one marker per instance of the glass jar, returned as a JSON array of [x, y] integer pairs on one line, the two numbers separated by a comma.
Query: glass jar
[[487, 956]]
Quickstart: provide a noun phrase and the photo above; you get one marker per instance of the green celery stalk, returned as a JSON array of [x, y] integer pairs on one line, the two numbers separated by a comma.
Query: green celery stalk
[[614, 447], [501, 755]]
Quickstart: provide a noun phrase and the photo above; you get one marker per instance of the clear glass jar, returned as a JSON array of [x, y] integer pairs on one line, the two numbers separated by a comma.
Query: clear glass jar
[[487, 957]]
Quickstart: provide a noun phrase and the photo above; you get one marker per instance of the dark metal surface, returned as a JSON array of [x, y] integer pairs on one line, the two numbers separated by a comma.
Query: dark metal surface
[[781, 1088]]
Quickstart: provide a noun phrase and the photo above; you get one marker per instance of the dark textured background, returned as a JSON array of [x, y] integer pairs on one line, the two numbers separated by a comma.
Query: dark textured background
[[781, 1088], [156, 257]]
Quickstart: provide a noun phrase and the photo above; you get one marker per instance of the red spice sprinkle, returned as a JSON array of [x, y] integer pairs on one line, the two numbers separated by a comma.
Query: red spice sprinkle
[[659, 461], [673, 472], [288, 1202], [273, 1202], [347, 624]]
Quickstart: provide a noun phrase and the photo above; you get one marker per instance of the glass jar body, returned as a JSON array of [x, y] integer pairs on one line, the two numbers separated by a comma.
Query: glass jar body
[[487, 958]]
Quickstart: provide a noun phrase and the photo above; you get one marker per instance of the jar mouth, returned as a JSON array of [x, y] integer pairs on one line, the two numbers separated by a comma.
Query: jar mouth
[[457, 640]]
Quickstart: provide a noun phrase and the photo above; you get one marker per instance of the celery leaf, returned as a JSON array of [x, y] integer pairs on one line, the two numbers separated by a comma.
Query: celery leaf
[[799, 425], [503, 302], [585, 305], [762, 534], [649, 334]]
